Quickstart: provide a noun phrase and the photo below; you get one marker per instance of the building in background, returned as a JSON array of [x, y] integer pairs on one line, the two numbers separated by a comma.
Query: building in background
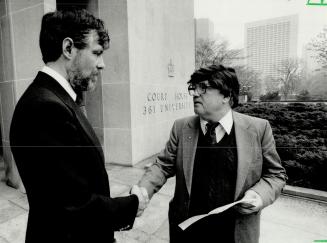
[[269, 43], [204, 28]]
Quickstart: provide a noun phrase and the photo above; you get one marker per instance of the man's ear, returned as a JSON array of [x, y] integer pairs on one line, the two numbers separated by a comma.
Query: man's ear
[[67, 48], [226, 99]]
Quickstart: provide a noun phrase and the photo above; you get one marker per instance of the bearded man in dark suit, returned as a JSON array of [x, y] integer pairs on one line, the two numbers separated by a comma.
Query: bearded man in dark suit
[[57, 153]]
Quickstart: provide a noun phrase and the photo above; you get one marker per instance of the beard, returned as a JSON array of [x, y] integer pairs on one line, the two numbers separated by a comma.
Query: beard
[[81, 81]]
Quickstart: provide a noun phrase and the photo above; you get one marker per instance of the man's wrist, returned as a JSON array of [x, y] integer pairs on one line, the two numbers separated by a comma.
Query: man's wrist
[[145, 194]]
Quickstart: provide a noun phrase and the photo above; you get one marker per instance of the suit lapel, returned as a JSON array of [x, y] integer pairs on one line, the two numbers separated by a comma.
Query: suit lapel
[[245, 150], [190, 141], [88, 129], [48, 82]]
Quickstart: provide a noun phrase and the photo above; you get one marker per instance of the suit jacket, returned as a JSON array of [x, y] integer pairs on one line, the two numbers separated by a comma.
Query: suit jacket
[[259, 168], [61, 164]]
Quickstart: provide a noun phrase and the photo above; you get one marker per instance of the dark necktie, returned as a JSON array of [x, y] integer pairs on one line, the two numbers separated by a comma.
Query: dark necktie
[[211, 132], [80, 101]]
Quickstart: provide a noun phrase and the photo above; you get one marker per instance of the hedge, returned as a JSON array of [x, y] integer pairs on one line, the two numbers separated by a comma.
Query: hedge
[[300, 132]]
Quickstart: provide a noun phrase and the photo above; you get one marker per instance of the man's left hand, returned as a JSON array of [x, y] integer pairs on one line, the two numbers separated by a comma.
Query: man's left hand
[[253, 203]]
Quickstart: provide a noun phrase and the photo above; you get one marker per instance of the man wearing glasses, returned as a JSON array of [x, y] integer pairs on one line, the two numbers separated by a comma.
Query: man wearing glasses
[[218, 156]]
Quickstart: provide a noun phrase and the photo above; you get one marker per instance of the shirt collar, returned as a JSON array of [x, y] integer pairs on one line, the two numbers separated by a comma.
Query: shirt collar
[[61, 80], [226, 122]]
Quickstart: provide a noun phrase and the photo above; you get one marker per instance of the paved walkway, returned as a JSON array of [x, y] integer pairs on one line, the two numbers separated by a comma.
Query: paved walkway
[[288, 220]]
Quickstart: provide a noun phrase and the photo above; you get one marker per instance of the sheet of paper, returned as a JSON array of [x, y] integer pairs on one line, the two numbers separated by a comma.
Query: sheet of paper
[[221, 209]]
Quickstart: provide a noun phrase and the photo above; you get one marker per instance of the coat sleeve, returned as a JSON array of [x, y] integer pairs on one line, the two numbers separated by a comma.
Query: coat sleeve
[[273, 176], [56, 160], [165, 165]]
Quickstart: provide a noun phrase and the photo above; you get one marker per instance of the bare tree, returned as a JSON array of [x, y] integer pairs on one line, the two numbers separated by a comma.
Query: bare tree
[[316, 85], [289, 77], [319, 46], [249, 80], [217, 52], [271, 84]]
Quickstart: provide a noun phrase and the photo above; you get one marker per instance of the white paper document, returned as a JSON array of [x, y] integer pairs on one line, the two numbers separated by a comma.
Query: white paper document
[[221, 209]]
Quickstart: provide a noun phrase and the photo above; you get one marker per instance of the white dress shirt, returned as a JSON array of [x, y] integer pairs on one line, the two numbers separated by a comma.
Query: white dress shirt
[[226, 124], [61, 80]]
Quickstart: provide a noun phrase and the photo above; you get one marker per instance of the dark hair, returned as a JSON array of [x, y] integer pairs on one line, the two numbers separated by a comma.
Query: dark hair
[[224, 79], [73, 23]]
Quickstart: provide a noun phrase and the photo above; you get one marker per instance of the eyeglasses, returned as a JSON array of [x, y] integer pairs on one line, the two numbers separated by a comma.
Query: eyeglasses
[[199, 88]]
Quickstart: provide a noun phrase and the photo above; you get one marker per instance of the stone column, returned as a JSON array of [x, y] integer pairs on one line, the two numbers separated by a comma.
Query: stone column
[[20, 61], [151, 57]]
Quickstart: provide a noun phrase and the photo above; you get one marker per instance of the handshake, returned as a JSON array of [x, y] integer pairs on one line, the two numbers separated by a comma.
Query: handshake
[[143, 197]]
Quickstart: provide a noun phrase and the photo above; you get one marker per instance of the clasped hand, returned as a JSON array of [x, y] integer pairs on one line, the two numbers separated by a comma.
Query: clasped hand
[[143, 197]]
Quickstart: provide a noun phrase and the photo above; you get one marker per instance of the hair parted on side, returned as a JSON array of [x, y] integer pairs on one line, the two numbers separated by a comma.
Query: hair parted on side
[[73, 23], [220, 77]]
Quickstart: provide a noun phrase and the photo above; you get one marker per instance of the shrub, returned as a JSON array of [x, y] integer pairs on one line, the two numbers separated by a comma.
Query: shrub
[[303, 95], [270, 96], [300, 132]]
